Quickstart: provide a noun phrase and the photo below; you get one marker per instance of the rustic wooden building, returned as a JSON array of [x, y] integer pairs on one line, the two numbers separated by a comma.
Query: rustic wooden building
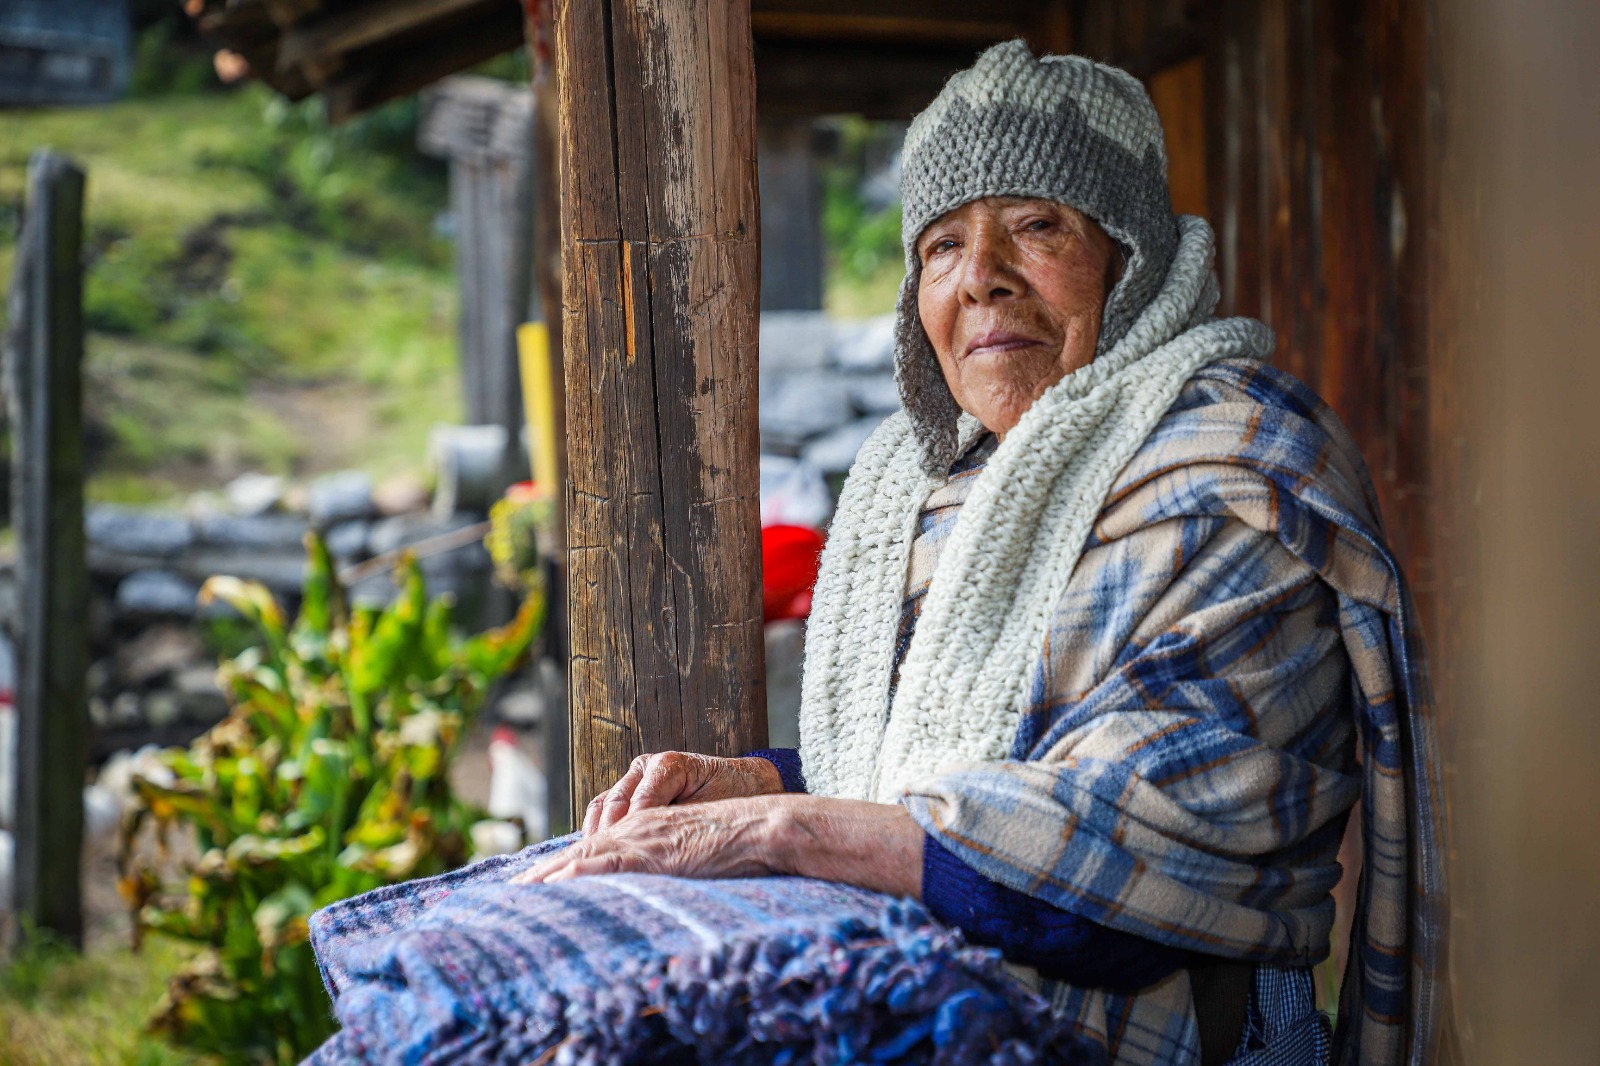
[[1304, 130], [64, 51], [1320, 137]]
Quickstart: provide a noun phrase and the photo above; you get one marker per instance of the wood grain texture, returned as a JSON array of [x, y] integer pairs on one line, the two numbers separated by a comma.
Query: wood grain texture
[[44, 363], [1179, 93], [1318, 172], [661, 283], [1141, 36]]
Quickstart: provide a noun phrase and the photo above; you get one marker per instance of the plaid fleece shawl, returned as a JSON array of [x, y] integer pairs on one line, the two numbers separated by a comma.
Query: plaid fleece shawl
[[1183, 764]]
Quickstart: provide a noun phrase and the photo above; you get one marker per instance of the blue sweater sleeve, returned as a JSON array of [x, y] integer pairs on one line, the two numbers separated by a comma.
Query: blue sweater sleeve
[[1056, 942], [787, 760]]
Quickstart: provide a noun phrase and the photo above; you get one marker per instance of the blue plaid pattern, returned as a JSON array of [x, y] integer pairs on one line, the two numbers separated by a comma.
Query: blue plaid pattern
[[1187, 761]]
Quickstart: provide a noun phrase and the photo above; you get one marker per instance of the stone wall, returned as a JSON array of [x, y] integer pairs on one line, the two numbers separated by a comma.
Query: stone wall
[[154, 650]]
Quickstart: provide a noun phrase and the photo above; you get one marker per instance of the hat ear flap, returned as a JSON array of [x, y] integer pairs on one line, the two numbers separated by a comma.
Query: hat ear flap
[[924, 392]]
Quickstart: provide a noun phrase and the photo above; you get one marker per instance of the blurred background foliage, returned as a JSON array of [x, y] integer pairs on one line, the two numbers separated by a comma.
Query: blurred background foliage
[[250, 271], [267, 292], [861, 217]]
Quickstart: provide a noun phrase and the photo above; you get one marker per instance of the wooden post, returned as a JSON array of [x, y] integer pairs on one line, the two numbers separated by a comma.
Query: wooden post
[[44, 356], [661, 284], [484, 128]]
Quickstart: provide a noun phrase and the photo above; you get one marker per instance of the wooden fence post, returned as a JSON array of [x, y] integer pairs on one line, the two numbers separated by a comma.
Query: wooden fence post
[[44, 357], [661, 284], [484, 128]]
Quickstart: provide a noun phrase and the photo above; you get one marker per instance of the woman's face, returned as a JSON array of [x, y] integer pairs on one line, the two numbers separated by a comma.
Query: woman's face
[[1010, 297]]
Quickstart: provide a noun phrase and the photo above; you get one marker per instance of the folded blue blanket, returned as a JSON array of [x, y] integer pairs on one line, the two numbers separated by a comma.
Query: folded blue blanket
[[468, 968]]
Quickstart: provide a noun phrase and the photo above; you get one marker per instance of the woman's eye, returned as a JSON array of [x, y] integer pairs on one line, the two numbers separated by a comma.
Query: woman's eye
[[1039, 225]]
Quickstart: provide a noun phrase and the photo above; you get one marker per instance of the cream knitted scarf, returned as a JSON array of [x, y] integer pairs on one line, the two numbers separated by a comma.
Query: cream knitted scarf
[[981, 631]]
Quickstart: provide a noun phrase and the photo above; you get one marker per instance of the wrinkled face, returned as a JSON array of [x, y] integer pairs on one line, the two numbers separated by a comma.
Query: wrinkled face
[[1010, 296]]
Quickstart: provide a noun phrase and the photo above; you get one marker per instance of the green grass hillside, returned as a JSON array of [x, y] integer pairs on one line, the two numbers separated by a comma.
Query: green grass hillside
[[262, 292]]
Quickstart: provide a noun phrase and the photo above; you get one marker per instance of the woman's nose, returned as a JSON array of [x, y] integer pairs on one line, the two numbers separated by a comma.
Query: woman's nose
[[988, 272]]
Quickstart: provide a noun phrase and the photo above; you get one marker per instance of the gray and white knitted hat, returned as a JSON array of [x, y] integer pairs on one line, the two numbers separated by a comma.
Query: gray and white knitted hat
[[1062, 128]]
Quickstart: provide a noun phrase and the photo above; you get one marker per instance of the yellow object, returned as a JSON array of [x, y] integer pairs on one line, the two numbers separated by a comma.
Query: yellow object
[[538, 405]]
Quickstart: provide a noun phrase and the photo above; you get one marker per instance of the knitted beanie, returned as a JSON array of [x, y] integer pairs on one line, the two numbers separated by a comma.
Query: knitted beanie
[[1061, 128]]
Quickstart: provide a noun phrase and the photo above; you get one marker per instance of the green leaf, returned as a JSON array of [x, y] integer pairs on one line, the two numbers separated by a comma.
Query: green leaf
[[251, 599], [322, 608], [490, 656], [281, 917]]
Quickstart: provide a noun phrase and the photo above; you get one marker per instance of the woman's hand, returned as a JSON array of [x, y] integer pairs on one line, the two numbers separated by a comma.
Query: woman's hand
[[679, 777], [873, 845], [729, 838]]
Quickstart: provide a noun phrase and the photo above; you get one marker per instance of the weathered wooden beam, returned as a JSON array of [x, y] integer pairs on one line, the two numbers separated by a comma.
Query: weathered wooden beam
[[899, 20], [862, 25], [913, 23], [44, 358], [485, 129], [325, 40], [661, 267], [405, 64], [1179, 95], [1141, 36], [806, 79]]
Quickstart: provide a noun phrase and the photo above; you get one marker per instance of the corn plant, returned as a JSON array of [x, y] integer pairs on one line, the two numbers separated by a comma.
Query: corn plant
[[327, 778]]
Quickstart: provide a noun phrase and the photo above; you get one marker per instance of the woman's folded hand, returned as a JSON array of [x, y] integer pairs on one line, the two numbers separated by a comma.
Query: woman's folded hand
[[735, 838], [677, 777], [874, 845]]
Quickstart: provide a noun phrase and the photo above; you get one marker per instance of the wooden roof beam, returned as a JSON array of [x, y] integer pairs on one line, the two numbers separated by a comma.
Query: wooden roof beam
[[802, 79], [1142, 38], [903, 23], [320, 45], [897, 30], [287, 13], [377, 75]]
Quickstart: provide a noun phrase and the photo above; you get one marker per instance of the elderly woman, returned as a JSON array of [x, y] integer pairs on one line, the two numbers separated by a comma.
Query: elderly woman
[[1100, 620], [1104, 618]]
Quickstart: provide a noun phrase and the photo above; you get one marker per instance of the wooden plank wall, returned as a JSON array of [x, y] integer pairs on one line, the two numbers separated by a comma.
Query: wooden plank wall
[[1318, 134]]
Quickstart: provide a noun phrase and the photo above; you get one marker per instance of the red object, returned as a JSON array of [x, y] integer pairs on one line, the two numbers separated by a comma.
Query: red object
[[789, 558]]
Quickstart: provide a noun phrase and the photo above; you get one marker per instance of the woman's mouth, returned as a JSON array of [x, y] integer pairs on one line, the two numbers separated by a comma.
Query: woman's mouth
[[996, 341]]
